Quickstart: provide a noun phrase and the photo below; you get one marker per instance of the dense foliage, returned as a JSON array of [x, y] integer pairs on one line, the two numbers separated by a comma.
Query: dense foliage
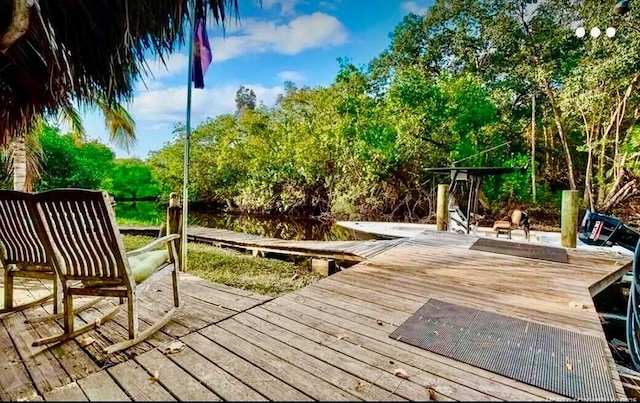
[[456, 86]]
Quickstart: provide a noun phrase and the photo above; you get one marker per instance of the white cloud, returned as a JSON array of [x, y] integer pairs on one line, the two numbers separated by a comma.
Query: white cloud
[[318, 30], [157, 111], [328, 5], [413, 7], [287, 7], [290, 76]]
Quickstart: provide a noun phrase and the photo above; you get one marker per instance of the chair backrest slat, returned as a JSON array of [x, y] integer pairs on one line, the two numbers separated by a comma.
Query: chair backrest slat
[[82, 235], [18, 231]]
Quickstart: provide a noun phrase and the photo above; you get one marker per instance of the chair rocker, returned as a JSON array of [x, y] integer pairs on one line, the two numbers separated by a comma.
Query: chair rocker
[[82, 236]]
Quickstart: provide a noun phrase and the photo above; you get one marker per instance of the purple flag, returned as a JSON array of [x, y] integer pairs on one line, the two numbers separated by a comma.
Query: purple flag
[[201, 53]]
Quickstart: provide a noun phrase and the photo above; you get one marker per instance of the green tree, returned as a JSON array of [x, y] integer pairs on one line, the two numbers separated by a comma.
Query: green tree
[[131, 179], [69, 164]]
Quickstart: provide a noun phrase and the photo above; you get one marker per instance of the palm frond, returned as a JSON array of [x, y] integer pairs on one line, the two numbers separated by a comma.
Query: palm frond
[[70, 116], [77, 49]]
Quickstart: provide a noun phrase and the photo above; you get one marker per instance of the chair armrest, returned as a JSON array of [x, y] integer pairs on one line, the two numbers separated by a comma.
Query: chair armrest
[[151, 245]]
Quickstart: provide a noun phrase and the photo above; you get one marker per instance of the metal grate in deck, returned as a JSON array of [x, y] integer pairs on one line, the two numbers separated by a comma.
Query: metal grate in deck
[[561, 361]]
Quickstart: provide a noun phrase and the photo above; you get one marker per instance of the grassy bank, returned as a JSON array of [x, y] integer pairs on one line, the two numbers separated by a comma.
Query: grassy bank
[[262, 275]]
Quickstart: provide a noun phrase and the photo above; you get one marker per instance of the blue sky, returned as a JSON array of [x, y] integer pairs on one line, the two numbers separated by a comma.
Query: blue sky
[[296, 40]]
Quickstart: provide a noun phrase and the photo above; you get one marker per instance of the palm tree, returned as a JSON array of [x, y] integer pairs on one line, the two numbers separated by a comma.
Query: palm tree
[[26, 153]]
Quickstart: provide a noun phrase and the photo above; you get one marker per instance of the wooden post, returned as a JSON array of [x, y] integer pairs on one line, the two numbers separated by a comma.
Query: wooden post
[[442, 211], [174, 221], [569, 218], [324, 267]]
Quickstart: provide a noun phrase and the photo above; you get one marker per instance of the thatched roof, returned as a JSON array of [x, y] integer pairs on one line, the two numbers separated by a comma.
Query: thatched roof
[[75, 49]]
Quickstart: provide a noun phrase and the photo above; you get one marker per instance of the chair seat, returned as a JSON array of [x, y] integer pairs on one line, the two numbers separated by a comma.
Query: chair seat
[[501, 225], [145, 264]]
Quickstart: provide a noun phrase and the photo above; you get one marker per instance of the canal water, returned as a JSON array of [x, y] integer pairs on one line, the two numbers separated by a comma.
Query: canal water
[[275, 226]]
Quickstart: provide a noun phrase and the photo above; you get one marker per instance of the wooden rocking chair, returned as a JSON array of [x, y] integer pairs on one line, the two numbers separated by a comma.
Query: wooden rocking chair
[[82, 236], [22, 254]]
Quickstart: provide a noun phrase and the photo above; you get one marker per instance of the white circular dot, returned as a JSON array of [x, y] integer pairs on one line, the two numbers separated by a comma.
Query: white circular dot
[[580, 32], [595, 32], [611, 32]]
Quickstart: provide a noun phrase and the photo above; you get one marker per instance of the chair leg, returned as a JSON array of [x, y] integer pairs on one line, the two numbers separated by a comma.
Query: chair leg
[[8, 289], [9, 306], [56, 300], [68, 312], [176, 287], [133, 315]]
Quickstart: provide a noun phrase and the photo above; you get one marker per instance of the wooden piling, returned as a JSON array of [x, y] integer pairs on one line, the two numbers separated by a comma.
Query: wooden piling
[[569, 218], [324, 267], [442, 212], [174, 221]]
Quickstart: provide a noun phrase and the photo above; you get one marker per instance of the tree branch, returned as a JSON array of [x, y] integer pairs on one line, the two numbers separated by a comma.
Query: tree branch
[[19, 23]]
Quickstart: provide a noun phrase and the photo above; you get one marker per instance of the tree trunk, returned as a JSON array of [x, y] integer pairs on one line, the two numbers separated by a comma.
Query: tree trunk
[[588, 177], [20, 164], [533, 148], [19, 23], [561, 134]]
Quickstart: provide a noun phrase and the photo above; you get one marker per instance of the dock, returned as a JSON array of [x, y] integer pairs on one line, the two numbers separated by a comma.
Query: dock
[[327, 341], [344, 251]]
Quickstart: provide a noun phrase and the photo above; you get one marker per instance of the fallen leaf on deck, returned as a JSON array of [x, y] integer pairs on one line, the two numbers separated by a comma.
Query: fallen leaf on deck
[[85, 341], [155, 377], [174, 347], [340, 336], [360, 386], [379, 322], [98, 322], [400, 373], [432, 394], [568, 365], [399, 336], [434, 332]]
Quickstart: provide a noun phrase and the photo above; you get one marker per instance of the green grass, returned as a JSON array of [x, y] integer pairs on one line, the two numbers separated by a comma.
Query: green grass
[[261, 275]]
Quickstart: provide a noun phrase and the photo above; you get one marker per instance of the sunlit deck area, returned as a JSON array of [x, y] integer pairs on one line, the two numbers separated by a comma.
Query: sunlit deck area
[[327, 341]]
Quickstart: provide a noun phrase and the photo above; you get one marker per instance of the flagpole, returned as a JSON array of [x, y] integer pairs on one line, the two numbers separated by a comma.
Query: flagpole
[[185, 179]]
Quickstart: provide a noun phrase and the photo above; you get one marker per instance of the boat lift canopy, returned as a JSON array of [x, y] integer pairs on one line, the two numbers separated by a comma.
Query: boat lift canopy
[[473, 176]]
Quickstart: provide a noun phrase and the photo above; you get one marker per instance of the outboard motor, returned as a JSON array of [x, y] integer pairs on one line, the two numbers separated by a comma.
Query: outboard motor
[[602, 230]]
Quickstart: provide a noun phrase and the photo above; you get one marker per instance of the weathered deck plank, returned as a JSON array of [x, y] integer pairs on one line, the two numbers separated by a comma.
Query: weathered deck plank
[[100, 387], [306, 382], [254, 377], [182, 385], [268, 339], [221, 382], [15, 383], [138, 383], [66, 393]]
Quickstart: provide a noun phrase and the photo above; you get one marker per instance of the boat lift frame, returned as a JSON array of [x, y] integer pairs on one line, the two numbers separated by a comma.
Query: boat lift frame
[[473, 176]]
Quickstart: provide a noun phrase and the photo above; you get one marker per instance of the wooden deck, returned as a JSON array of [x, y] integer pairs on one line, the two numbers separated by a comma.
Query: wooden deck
[[348, 251], [327, 341]]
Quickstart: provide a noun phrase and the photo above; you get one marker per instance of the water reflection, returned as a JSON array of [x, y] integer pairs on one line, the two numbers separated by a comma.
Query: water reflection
[[282, 227]]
